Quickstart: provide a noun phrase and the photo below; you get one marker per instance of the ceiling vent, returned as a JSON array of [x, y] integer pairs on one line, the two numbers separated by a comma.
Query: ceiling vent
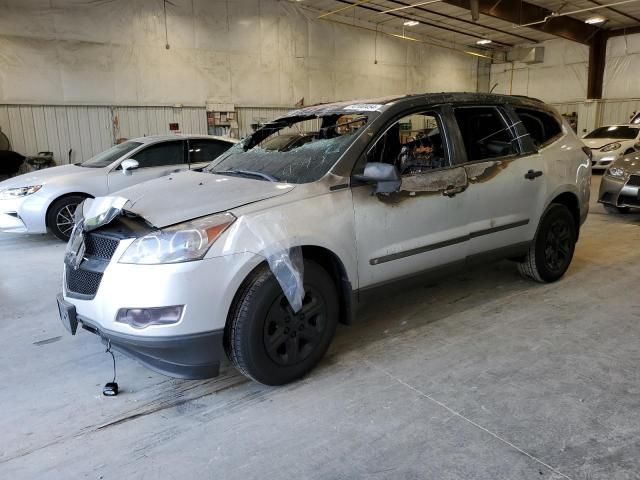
[[526, 55]]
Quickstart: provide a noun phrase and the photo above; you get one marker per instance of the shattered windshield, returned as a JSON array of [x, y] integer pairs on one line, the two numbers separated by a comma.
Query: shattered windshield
[[310, 146]]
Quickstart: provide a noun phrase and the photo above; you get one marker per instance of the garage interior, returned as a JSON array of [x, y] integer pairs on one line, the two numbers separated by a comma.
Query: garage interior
[[482, 375]]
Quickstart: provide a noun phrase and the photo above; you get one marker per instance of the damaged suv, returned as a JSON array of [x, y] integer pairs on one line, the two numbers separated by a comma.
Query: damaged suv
[[260, 255]]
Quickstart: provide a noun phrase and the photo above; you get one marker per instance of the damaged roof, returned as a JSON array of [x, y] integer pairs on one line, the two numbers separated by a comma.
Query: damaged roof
[[382, 103]]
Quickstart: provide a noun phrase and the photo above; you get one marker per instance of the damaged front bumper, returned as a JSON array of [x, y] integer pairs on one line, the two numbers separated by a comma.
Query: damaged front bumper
[[192, 356]]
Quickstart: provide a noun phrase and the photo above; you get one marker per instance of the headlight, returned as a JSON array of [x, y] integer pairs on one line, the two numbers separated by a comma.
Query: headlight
[[181, 243], [616, 172], [18, 192], [611, 147]]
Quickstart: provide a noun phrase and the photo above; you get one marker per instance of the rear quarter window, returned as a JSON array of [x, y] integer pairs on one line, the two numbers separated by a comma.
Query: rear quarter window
[[542, 127]]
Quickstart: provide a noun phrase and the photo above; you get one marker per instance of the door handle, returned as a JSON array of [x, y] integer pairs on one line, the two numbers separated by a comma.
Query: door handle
[[532, 175], [452, 191]]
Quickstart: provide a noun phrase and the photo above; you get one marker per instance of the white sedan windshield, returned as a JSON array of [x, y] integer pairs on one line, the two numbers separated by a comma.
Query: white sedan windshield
[[106, 158]]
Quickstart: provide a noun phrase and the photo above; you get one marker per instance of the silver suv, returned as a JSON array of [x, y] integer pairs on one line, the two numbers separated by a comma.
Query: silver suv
[[260, 255]]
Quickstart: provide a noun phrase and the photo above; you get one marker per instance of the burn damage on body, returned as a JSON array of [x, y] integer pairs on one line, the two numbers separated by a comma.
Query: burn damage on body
[[485, 171], [427, 184]]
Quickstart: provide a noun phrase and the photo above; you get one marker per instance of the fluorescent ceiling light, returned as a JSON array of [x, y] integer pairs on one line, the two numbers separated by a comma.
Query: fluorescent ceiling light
[[484, 41], [411, 23], [595, 20]]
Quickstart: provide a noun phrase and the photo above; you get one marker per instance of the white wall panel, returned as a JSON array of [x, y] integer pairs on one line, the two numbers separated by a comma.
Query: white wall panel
[[249, 52]]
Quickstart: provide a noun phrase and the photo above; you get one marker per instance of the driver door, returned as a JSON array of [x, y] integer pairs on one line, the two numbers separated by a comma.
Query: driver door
[[422, 226], [156, 160]]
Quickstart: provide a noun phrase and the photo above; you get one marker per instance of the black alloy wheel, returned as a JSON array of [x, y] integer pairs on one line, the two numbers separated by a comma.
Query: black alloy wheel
[[290, 337]]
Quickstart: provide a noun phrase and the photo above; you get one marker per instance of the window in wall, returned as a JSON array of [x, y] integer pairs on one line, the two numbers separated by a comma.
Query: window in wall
[[414, 144], [161, 154], [485, 133], [541, 126]]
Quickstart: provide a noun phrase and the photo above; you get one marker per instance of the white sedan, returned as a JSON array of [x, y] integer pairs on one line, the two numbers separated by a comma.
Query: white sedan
[[47, 199], [610, 143]]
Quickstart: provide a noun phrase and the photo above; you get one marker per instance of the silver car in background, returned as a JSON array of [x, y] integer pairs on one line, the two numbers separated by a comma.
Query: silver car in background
[[611, 142], [46, 199], [620, 185]]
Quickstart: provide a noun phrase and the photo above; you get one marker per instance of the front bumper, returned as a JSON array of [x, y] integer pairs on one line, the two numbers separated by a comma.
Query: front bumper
[[619, 192], [190, 348], [192, 356], [602, 161], [24, 214]]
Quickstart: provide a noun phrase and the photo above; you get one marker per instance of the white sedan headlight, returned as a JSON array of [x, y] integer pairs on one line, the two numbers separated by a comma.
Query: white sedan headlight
[[184, 242], [616, 172], [611, 147], [10, 193]]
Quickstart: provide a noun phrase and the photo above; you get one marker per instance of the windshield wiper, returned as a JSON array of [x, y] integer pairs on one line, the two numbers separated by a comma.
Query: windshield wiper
[[249, 173]]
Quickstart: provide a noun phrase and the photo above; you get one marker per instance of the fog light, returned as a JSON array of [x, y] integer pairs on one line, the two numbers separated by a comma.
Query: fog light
[[145, 317]]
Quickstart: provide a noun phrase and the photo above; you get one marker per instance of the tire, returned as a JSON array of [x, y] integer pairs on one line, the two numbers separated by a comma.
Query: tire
[[613, 209], [59, 215], [261, 315], [552, 249]]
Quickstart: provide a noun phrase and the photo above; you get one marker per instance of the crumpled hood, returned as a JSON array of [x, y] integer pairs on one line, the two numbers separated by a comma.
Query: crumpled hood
[[598, 143], [187, 195], [46, 175]]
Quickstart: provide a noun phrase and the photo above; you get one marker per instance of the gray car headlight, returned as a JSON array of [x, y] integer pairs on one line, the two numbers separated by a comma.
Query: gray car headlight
[[10, 193], [184, 242], [611, 147], [616, 172]]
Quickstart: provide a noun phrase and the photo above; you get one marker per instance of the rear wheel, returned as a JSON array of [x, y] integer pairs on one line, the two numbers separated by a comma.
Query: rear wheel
[[269, 342], [614, 209], [551, 251], [60, 217]]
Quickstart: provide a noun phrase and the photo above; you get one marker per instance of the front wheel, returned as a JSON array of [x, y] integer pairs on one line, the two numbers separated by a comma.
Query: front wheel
[[269, 342], [60, 217], [551, 251]]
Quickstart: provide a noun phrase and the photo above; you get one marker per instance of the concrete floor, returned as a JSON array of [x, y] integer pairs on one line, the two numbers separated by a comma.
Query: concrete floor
[[483, 376]]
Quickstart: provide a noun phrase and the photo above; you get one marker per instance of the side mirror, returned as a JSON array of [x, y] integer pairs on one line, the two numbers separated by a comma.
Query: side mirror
[[385, 177], [129, 165]]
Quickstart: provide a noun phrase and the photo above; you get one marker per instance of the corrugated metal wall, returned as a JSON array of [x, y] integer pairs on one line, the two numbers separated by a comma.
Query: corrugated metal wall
[[88, 130]]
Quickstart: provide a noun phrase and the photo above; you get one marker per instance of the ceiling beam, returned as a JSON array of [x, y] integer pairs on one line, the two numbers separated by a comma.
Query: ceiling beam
[[519, 12], [464, 20], [424, 22]]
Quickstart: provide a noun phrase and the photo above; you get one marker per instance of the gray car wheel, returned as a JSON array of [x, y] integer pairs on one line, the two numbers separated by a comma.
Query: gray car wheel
[[60, 217], [270, 343]]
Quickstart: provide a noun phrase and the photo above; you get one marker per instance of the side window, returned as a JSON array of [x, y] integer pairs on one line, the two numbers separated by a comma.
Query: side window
[[541, 126], [201, 151], [414, 144], [485, 133], [161, 154]]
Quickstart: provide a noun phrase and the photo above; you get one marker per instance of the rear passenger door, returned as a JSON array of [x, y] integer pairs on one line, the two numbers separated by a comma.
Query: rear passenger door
[[156, 160], [506, 178], [202, 151]]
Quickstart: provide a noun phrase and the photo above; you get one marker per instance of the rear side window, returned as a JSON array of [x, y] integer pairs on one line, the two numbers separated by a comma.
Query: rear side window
[[161, 154], [206, 150], [542, 127], [485, 133]]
